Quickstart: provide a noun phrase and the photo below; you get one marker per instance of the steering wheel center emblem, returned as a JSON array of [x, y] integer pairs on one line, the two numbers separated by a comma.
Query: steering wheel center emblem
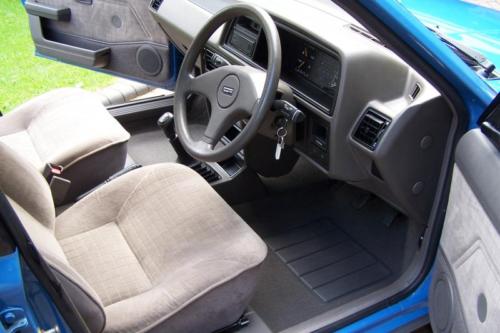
[[228, 91]]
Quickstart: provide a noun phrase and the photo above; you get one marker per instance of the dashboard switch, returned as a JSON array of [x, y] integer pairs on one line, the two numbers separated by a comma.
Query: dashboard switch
[[290, 111]]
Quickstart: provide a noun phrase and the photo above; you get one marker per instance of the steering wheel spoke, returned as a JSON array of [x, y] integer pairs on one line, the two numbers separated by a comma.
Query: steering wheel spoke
[[251, 83], [203, 84], [218, 124]]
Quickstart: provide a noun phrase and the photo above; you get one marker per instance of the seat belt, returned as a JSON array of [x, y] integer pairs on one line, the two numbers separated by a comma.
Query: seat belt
[[59, 186]]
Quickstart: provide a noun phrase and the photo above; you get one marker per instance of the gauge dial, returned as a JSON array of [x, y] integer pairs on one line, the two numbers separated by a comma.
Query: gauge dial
[[305, 60]]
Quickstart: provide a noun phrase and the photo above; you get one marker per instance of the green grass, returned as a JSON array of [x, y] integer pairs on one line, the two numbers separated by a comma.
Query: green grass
[[22, 74]]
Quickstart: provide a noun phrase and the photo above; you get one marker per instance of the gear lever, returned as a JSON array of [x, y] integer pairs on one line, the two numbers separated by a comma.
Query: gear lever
[[166, 123]]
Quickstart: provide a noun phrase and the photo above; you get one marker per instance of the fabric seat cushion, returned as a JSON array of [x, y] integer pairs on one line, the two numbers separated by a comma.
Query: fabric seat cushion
[[68, 127], [63, 125], [157, 243], [30, 197]]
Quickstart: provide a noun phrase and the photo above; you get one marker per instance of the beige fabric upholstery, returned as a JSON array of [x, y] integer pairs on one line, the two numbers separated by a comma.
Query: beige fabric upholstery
[[66, 127], [60, 127], [30, 196], [164, 238], [23, 183], [157, 250]]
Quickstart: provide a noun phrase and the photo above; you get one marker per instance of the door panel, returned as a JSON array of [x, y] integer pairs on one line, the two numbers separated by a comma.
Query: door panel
[[465, 292], [116, 36]]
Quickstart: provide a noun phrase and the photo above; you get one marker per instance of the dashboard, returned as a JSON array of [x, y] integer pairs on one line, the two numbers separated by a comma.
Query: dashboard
[[312, 70], [370, 119]]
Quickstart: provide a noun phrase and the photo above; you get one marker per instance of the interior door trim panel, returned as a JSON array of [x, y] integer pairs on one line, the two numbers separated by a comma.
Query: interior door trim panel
[[466, 281], [88, 57], [48, 12], [123, 38], [479, 161]]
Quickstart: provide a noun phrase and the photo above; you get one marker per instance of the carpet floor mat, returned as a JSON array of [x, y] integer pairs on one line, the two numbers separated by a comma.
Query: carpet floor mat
[[327, 260], [327, 246]]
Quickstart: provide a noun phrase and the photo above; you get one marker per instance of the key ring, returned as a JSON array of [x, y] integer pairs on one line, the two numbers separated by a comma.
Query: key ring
[[283, 132]]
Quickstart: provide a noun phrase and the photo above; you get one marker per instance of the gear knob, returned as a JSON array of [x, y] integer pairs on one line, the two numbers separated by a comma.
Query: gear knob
[[166, 123]]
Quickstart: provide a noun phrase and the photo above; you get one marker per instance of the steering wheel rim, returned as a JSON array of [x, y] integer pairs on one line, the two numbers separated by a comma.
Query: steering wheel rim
[[234, 92]]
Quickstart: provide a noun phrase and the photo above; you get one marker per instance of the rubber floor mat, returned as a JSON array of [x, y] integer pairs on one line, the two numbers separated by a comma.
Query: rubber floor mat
[[327, 260]]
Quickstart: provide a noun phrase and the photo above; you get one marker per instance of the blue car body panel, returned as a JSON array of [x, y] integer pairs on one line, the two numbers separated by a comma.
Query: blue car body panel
[[472, 25], [476, 95], [413, 308], [14, 305], [23, 299], [475, 26]]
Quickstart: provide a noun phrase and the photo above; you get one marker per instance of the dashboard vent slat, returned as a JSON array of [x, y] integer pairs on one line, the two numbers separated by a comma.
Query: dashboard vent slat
[[213, 60], [209, 59], [371, 128], [415, 92], [155, 4]]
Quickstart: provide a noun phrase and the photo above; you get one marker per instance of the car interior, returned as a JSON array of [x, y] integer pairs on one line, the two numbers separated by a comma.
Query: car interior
[[288, 180]]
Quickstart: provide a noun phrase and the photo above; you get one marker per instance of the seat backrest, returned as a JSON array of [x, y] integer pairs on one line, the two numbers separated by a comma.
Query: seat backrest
[[22, 183], [30, 196]]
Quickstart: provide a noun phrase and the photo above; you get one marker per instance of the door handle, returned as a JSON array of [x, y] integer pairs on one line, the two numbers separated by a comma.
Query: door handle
[[88, 56], [48, 12]]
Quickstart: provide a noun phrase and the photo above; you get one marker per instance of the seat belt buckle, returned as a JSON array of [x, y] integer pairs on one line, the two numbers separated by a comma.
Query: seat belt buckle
[[59, 186], [51, 170]]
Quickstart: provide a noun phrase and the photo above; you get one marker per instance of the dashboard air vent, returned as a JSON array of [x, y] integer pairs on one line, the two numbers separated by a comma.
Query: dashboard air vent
[[371, 128], [415, 92], [209, 60], [213, 60], [155, 4]]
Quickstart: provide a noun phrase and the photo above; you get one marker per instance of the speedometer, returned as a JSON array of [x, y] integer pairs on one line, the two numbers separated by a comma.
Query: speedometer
[[305, 60]]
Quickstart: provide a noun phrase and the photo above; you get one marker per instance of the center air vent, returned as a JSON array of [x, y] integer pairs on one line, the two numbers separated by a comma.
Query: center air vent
[[155, 4], [213, 60], [371, 128]]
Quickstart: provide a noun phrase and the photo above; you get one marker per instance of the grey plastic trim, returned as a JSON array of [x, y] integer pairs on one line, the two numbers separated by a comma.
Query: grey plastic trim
[[476, 152], [98, 57], [212, 6], [492, 133], [142, 108], [48, 12]]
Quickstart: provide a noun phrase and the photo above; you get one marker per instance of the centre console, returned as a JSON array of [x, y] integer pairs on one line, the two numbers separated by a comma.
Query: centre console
[[312, 139]]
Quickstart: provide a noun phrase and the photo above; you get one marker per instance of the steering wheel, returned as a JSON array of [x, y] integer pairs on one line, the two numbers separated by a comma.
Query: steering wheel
[[234, 92]]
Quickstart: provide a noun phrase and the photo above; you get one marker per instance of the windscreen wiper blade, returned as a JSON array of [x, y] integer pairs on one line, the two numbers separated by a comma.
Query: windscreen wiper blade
[[470, 56]]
